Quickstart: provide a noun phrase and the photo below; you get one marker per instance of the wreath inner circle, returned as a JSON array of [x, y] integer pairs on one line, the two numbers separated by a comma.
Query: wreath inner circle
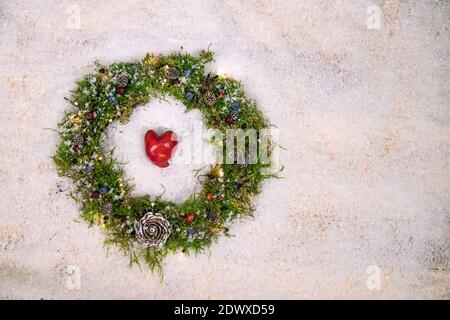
[[193, 156], [149, 227]]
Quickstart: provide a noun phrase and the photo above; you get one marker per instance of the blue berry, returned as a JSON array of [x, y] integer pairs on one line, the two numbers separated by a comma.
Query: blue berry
[[187, 72], [112, 100], [103, 190], [89, 169], [235, 106], [189, 96], [191, 233]]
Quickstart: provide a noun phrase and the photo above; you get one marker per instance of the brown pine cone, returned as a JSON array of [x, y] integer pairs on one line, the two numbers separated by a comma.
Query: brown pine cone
[[171, 73], [209, 98]]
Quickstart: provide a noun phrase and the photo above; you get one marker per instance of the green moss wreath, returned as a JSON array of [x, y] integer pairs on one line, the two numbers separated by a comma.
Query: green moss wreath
[[147, 226]]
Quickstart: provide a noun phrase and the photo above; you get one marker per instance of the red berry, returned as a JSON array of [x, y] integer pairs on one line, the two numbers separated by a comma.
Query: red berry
[[221, 93], [209, 197], [230, 120], [190, 217], [95, 194], [91, 115], [76, 149], [120, 90]]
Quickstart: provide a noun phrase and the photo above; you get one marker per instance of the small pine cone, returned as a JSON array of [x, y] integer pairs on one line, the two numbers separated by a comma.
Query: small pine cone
[[106, 208], [209, 98], [171, 73], [234, 115], [152, 230], [213, 217], [78, 140], [122, 80]]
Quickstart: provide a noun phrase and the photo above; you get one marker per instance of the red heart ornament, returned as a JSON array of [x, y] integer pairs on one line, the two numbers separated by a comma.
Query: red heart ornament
[[159, 149]]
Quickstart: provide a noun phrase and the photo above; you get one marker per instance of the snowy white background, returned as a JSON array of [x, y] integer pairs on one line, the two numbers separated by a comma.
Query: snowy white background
[[363, 114]]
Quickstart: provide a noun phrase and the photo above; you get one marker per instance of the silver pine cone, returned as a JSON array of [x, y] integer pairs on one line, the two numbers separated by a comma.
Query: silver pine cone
[[152, 230], [122, 80], [78, 140], [106, 208]]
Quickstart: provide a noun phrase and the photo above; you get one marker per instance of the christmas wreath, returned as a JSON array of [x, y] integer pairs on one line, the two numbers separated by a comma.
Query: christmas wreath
[[149, 227]]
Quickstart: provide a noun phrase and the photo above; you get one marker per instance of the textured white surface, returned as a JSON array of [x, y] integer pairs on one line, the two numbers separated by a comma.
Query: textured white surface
[[364, 116]]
